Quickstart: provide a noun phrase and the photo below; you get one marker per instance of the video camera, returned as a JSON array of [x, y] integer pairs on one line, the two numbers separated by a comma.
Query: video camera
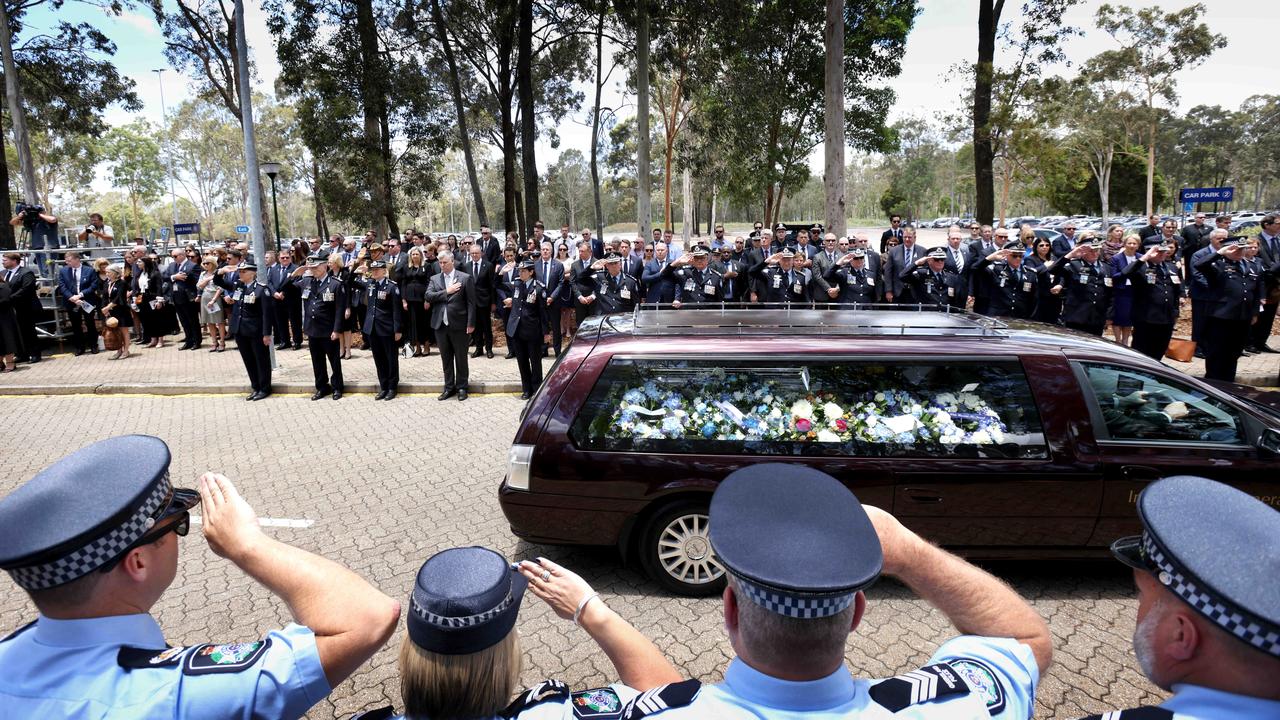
[[30, 214]]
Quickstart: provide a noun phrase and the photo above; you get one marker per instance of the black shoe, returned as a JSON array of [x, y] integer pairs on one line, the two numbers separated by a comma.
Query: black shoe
[[281, 346], [489, 353], [447, 394], [1248, 352], [1266, 349], [184, 347], [79, 352], [391, 395], [545, 354], [381, 396], [462, 395], [1199, 353], [319, 394], [33, 360], [524, 396], [337, 394], [475, 354], [263, 395], [93, 351], [297, 347], [509, 356], [252, 396]]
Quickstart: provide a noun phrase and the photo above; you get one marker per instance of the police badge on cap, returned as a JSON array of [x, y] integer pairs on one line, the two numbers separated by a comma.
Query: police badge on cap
[[937, 254]]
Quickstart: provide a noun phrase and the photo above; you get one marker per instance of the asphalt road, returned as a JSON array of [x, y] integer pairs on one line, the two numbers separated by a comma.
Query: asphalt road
[[385, 485]]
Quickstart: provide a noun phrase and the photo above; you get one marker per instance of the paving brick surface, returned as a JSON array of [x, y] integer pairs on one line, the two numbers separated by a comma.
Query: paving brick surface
[[385, 492]]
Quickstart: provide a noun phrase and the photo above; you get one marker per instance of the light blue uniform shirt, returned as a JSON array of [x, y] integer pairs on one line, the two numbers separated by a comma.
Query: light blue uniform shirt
[[563, 709], [1001, 673], [69, 669], [1193, 702]]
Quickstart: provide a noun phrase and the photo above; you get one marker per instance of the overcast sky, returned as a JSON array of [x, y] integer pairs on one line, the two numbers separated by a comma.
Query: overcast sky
[[944, 34]]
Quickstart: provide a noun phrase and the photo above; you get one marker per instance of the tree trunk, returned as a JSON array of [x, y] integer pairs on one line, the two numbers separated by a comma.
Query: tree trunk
[[384, 124], [834, 92], [983, 152], [711, 220], [8, 240], [321, 226], [777, 208], [1151, 166], [686, 200], [17, 114], [455, 87], [668, 155], [371, 100], [644, 211], [528, 119], [595, 123], [505, 92]]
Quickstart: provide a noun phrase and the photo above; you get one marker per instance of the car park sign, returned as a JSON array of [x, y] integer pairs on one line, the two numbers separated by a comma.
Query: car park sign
[[242, 229], [1201, 195], [186, 229]]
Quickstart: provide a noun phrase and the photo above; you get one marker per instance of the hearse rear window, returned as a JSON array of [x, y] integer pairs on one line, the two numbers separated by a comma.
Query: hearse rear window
[[799, 407]]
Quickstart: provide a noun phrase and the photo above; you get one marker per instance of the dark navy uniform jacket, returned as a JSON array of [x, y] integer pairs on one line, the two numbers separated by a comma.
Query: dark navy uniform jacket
[[932, 288], [613, 295], [1086, 290], [251, 306], [383, 300], [694, 286], [1156, 291], [855, 286], [323, 302], [529, 314], [1235, 289], [781, 286], [1012, 293]]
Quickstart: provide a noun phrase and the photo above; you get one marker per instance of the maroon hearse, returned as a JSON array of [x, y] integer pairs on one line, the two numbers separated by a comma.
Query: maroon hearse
[[997, 439]]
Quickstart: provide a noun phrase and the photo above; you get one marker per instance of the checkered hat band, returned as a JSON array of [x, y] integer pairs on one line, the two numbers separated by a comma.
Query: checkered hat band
[[1257, 632], [458, 622], [796, 606], [97, 553]]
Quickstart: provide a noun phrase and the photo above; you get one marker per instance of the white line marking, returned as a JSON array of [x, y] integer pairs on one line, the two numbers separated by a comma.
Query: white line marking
[[275, 522]]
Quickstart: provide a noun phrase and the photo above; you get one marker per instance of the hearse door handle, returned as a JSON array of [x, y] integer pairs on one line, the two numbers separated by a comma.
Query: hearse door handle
[[1140, 472], [924, 497]]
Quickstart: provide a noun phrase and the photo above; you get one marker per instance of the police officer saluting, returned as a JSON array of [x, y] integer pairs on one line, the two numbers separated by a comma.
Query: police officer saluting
[[930, 279], [613, 292], [1157, 297], [323, 303], [251, 317], [382, 325], [528, 326], [1208, 623], [95, 563], [1085, 285], [780, 280], [696, 282], [850, 280], [1012, 290], [794, 599], [1235, 297]]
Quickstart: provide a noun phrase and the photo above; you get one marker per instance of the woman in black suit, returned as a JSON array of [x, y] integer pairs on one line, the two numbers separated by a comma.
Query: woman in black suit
[[151, 290], [418, 311], [1048, 306], [349, 323], [10, 338], [116, 296]]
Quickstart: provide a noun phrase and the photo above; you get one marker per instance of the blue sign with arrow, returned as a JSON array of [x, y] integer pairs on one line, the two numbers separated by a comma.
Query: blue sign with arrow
[[242, 229], [1203, 195]]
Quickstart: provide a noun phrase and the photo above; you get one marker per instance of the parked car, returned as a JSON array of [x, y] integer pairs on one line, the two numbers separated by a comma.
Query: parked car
[[998, 439], [1238, 227]]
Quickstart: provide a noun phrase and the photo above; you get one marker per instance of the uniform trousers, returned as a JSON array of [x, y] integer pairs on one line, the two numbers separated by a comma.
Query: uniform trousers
[[482, 338], [1223, 344], [1199, 311], [1260, 331], [288, 321], [1151, 339], [1087, 327], [82, 333], [322, 349], [528, 360], [257, 361], [386, 360]]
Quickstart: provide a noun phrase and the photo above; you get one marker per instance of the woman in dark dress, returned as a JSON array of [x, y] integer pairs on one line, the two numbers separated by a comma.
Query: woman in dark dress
[[10, 338], [348, 326], [418, 325], [150, 292], [1048, 305], [117, 306]]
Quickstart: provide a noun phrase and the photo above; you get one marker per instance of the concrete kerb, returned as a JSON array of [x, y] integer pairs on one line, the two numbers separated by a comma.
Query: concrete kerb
[[482, 388]]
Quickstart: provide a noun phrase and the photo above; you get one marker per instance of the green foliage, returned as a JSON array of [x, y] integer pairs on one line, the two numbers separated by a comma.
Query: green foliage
[[134, 159], [1073, 189]]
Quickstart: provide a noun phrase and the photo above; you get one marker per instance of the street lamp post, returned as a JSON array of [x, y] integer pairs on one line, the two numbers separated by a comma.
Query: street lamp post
[[272, 169], [164, 116]]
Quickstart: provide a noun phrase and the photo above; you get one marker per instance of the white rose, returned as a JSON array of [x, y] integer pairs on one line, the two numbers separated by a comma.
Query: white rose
[[832, 411], [802, 409], [902, 423], [775, 413], [879, 397], [980, 438], [827, 436]]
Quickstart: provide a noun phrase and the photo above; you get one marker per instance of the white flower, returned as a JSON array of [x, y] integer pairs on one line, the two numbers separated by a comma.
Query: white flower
[[832, 411], [827, 436], [997, 435], [980, 438], [945, 399], [802, 409], [902, 423], [775, 414], [879, 397]]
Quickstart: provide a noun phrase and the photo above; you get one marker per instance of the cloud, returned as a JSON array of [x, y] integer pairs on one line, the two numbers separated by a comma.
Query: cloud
[[140, 22]]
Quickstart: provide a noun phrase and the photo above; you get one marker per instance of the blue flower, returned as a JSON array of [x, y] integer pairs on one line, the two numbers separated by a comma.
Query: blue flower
[[627, 416], [709, 430], [672, 402], [672, 426]]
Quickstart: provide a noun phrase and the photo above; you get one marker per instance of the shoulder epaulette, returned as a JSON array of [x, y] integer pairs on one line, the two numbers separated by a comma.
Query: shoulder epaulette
[[545, 691], [1140, 713], [928, 683], [383, 713], [655, 700]]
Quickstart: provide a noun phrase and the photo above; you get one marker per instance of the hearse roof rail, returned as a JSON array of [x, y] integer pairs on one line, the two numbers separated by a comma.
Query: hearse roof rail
[[798, 319]]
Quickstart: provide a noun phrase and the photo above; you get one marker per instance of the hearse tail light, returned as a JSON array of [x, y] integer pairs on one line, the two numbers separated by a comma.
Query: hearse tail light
[[518, 460]]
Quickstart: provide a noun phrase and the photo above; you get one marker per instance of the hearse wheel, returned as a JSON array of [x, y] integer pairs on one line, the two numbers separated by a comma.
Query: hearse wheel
[[676, 551]]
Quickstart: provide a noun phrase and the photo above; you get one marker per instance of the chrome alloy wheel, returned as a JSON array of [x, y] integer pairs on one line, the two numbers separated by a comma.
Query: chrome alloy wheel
[[684, 549]]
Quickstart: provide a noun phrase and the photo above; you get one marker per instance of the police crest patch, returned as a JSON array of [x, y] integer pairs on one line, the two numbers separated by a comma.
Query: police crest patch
[[597, 703], [228, 658], [982, 680]]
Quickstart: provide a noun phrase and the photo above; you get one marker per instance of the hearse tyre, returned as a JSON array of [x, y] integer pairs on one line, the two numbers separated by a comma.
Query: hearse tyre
[[675, 550]]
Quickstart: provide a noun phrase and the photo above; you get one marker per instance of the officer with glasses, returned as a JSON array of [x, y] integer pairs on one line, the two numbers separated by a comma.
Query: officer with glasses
[[95, 562]]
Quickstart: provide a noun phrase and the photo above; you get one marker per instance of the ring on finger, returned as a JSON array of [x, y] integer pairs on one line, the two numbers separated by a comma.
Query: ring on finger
[[546, 576]]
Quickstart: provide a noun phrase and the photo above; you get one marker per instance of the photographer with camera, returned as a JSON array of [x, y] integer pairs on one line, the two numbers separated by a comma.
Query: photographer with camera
[[42, 231], [97, 233]]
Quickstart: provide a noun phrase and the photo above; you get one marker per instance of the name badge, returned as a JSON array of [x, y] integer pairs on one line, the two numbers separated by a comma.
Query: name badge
[[951, 292], [326, 297], [1151, 278], [531, 298], [1084, 279], [871, 282], [1106, 281], [625, 293], [306, 293], [777, 281], [234, 296], [797, 288], [251, 298], [382, 294], [1175, 279], [709, 289], [1026, 286], [688, 285]]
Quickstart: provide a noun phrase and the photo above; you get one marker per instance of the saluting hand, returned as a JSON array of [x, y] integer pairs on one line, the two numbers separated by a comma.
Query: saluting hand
[[229, 522], [563, 589]]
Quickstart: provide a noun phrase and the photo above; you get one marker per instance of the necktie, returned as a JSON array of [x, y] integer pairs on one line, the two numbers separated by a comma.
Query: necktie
[[475, 268], [448, 280], [8, 276], [546, 275]]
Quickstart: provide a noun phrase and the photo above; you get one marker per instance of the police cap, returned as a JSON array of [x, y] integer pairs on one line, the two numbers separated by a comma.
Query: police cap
[[377, 264], [796, 540], [247, 265], [54, 530], [1212, 546], [612, 258], [529, 265], [464, 600], [786, 253], [699, 251], [315, 259], [937, 254], [858, 253], [1014, 246]]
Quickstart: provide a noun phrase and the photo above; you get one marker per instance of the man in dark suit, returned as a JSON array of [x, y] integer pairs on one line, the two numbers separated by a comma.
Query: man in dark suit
[[452, 296], [735, 282], [184, 271], [483, 276], [597, 249], [1151, 228], [1269, 258], [1066, 242], [980, 287], [550, 272], [26, 304], [630, 264], [76, 283], [894, 231], [658, 288], [901, 258], [288, 302], [489, 248], [756, 257], [958, 262]]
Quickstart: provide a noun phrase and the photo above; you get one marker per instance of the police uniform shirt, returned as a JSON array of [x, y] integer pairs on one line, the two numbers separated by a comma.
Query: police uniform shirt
[[968, 677], [118, 667], [1086, 291], [1157, 289], [697, 286], [1193, 702], [1013, 290], [552, 700], [528, 317], [251, 308], [323, 302], [855, 285], [383, 300], [784, 285], [1235, 287], [932, 288]]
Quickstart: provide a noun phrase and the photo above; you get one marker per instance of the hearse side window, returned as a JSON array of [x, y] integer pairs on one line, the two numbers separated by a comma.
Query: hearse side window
[[1138, 405], [798, 407]]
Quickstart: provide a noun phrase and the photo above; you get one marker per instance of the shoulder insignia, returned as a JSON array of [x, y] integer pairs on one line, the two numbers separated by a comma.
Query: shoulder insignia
[[18, 632], [382, 713], [654, 701], [138, 658], [230, 658], [545, 691], [982, 680], [928, 683], [1141, 713], [599, 703]]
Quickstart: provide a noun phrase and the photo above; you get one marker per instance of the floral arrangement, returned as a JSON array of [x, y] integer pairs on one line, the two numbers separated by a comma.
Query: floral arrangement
[[725, 406]]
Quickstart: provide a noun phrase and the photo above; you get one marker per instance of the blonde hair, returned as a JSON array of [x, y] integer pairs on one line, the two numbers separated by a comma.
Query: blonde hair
[[335, 262], [101, 265], [458, 687]]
